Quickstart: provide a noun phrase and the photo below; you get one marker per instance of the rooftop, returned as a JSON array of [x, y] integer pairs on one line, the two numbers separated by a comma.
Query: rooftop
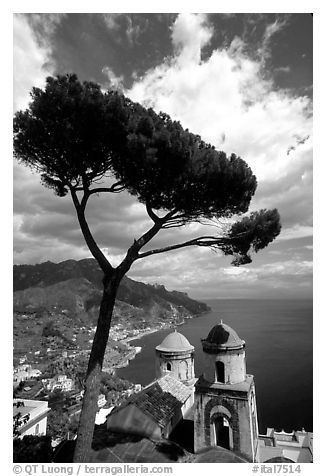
[[241, 387], [217, 454], [32, 407], [223, 337], [160, 400], [23, 410], [175, 342], [35, 409], [111, 447]]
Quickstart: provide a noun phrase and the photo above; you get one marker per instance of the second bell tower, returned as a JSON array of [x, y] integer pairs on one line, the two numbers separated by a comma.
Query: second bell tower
[[225, 401]]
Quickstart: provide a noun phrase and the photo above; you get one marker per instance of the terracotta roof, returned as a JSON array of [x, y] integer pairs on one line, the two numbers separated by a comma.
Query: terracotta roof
[[175, 342], [160, 400], [223, 336]]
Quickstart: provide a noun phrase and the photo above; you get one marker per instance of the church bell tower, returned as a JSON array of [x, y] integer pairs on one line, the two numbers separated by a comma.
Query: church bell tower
[[175, 356], [225, 403]]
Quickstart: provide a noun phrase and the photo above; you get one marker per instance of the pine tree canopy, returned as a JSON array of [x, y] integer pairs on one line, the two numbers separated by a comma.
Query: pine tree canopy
[[76, 135]]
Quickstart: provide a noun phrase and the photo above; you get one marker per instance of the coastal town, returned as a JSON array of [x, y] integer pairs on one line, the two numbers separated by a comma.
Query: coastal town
[[51, 350], [56, 376], [163, 409]]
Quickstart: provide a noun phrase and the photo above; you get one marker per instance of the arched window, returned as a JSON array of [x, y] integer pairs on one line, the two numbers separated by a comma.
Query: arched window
[[222, 432], [37, 429], [168, 366], [220, 372]]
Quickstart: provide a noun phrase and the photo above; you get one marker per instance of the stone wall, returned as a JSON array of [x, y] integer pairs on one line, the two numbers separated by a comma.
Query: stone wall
[[178, 365], [234, 364], [235, 407]]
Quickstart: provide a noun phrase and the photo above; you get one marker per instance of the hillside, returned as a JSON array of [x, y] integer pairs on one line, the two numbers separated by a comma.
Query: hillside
[[56, 309], [42, 285]]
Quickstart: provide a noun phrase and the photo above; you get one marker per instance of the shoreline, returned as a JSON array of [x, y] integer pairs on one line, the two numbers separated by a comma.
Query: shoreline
[[138, 349], [161, 328], [143, 334]]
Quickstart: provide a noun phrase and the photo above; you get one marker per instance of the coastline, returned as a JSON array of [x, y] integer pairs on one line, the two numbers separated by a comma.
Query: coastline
[[135, 349], [162, 327], [138, 349], [145, 333]]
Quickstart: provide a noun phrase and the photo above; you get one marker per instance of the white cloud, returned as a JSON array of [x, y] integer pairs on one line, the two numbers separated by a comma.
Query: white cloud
[[190, 34], [295, 232], [229, 101], [114, 81], [235, 271], [45, 24], [270, 31], [225, 99], [110, 19], [32, 43], [30, 62], [132, 29], [283, 69], [202, 274]]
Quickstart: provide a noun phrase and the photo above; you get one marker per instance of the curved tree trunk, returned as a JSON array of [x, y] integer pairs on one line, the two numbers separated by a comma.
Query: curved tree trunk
[[94, 371]]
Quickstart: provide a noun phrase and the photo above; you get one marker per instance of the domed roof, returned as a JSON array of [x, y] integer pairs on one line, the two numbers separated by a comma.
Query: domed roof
[[222, 337], [218, 454], [175, 342]]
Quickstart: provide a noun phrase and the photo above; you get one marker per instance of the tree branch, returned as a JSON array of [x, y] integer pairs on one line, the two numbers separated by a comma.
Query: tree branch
[[169, 215], [174, 221], [103, 262], [151, 214], [133, 252], [115, 188], [201, 241]]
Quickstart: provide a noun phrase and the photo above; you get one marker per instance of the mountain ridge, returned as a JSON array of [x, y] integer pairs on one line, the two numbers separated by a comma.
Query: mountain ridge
[[78, 284]]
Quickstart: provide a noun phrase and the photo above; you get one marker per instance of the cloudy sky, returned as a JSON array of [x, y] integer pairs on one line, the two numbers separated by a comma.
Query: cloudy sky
[[241, 81]]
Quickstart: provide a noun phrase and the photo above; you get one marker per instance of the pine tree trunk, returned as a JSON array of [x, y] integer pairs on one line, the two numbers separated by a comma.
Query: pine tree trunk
[[94, 371]]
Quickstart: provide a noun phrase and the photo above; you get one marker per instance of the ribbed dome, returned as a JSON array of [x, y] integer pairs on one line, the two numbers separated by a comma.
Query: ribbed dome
[[175, 342], [223, 336]]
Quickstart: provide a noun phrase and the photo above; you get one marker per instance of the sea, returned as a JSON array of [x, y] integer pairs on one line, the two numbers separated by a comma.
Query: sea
[[279, 353]]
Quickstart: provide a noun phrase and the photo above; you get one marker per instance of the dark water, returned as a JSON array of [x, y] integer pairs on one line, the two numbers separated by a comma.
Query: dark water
[[279, 348]]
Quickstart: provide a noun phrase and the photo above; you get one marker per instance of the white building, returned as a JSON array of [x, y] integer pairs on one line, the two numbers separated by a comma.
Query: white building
[[60, 382], [102, 414], [25, 372], [37, 412], [295, 447], [101, 401], [22, 368]]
